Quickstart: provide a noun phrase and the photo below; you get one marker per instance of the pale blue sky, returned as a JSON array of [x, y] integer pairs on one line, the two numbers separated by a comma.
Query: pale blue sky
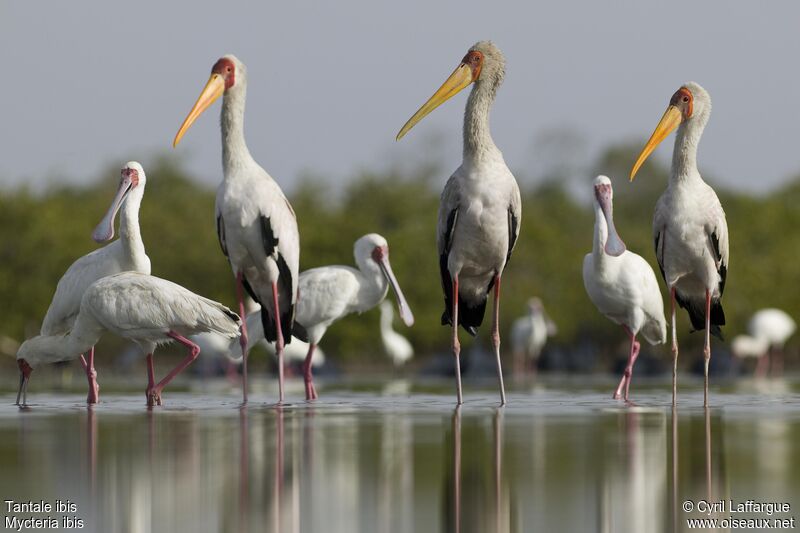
[[91, 83]]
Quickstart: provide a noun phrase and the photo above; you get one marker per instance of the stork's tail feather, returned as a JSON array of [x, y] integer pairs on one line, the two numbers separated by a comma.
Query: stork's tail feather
[[470, 317], [287, 321], [696, 310]]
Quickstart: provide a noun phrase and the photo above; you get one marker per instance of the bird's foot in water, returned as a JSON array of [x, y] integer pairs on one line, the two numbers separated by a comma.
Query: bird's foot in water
[[311, 391], [153, 396]]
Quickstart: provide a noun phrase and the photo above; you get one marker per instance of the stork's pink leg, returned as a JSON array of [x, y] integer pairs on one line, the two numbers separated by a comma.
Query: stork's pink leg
[[456, 345], [311, 392], [674, 349], [625, 382], [707, 347], [154, 391], [278, 339], [496, 338], [243, 337]]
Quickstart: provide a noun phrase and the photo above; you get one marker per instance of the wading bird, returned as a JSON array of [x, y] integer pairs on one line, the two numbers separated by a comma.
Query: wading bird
[[256, 226], [125, 254], [480, 209], [689, 227], [395, 345], [621, 283], [773, 326], [332, 292], [529, 335], [145, 309]]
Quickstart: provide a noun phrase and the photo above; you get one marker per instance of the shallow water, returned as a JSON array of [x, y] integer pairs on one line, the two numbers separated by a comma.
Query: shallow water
[[562, 456]]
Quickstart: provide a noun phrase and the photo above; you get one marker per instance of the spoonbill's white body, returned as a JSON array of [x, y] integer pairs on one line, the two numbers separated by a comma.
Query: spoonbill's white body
[[125, 254], [621, 284], [145, 309]]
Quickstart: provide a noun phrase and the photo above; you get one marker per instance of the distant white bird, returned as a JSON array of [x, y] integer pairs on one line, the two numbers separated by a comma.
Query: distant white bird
[[395, 345], [256, 226], [621, 284], [333, 292], [529, 335], [125, 254], [775, 327], [145, 309], [480, 209], [689, 226], [745, 346]]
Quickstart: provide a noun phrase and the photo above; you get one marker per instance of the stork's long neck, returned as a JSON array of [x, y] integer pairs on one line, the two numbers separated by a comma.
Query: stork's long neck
[[234, 147], [684, 155], [478, 141], [129, 231]]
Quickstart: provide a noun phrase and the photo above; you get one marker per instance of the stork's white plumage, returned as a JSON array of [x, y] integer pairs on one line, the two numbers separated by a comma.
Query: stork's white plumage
[[125, 254], [529, 335], [256, 226], [621, 283], [689, 226], [145, 309], [397, 347], [480, 209]]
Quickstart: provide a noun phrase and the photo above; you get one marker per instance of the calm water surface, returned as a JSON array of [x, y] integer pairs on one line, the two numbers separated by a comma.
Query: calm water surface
[[559, 457]]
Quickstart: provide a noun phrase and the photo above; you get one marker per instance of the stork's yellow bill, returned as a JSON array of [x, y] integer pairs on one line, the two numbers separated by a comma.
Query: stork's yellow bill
[[671, 120]]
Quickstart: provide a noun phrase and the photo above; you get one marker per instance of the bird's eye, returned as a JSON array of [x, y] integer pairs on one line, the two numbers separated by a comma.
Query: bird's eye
[[685, 99]]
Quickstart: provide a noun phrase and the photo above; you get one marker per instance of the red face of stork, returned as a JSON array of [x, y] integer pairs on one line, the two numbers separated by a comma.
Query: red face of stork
[[223, 77], [681, 109], [131, 176]]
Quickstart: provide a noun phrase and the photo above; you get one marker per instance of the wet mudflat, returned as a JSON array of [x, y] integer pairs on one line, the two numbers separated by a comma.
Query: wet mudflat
[[562, 456]]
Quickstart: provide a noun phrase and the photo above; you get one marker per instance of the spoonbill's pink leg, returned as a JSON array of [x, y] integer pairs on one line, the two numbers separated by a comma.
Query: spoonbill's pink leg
[[91, 374], [243, 337], [456, 344], [626, 376], [279, 339], [496, 338], [311, 392], [151, 382], [762, 365], [154, 391]]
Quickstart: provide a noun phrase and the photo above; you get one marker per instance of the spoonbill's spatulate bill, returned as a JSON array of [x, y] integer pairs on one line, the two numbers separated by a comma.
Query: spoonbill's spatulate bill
[[125, 254], [621, 284], [480, 209], [256, 226], [333, 292], [689, 227], [145, 309]]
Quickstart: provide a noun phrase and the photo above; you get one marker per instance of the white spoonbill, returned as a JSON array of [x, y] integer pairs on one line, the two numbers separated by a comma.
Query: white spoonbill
[[480, 208], [529, 334], [775, 327], [256, 226], [395, 345], [332, 292], [689, 226], [145, 309], [125, 254], [621, 283]]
